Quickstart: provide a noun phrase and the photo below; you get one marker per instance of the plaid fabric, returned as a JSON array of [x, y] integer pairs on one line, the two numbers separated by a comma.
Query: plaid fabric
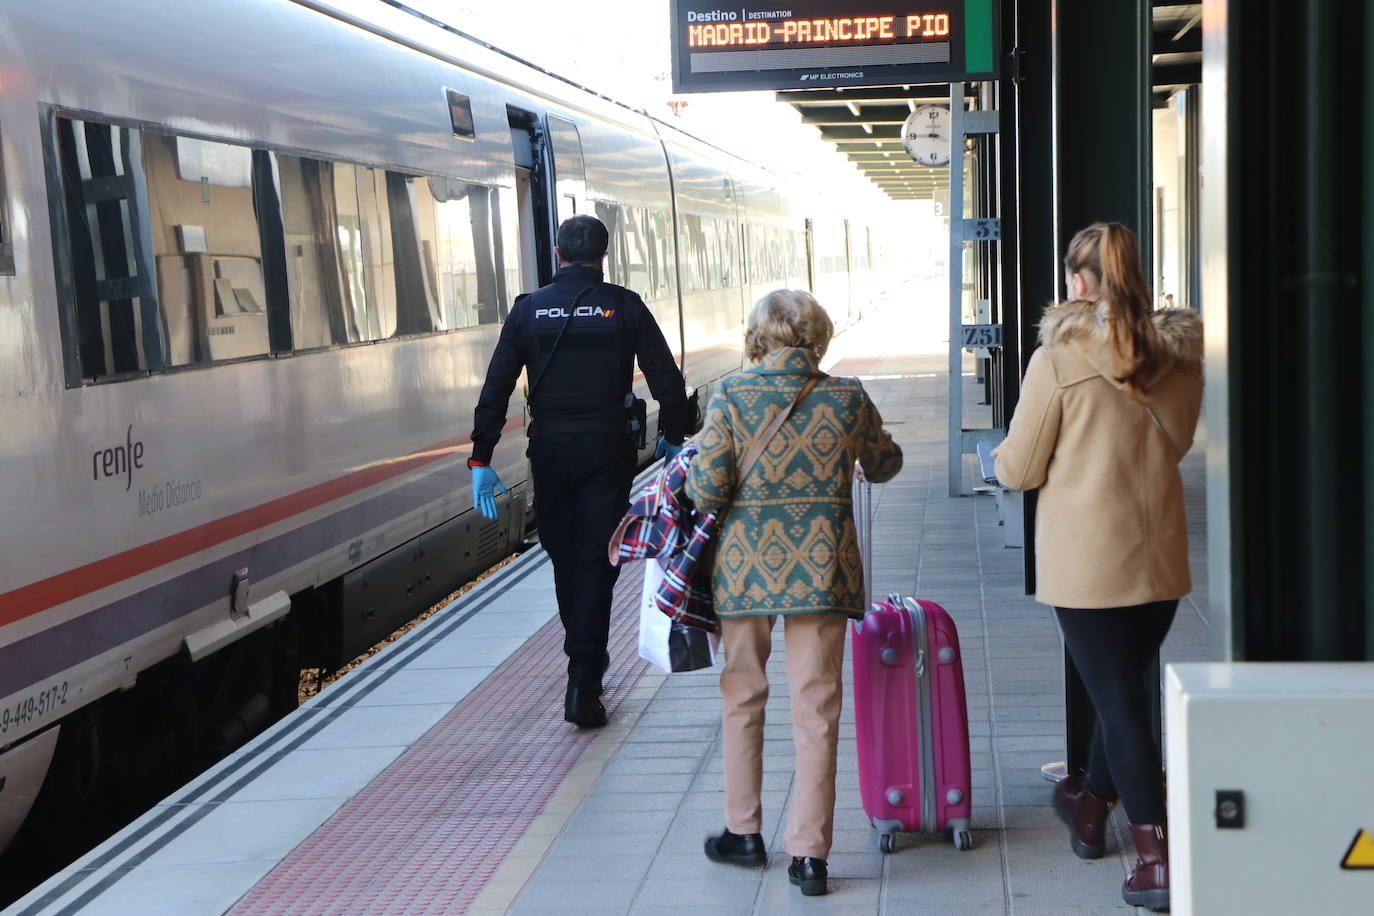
[[660, 522], [685, 592], [659, 514]]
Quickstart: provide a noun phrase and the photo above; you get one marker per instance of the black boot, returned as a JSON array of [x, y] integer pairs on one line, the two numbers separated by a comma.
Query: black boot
[[588, 670], [809, 874], [582, 703], [582, 707], [1148, 883], [744, 849], [1086, 815]]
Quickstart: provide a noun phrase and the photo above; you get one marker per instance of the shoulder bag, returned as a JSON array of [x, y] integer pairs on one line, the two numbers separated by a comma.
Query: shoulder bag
[[755, 452], [1164, 432]]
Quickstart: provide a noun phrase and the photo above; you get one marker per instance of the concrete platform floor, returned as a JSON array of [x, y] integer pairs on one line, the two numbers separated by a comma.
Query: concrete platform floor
[[632, 844], [439, 777]]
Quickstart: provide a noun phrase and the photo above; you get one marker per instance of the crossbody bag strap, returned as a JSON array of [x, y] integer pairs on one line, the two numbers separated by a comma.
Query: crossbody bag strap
[[529, 398], [756, 450], [1164, 432]]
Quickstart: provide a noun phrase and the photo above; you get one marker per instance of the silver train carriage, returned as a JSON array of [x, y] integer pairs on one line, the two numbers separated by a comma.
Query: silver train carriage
[[254, 256]]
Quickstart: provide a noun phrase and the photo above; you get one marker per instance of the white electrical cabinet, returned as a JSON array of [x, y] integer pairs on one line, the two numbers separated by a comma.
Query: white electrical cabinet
[[1271, 788]]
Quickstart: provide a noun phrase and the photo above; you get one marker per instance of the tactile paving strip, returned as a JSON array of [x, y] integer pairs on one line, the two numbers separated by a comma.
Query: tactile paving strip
[[429, 832]]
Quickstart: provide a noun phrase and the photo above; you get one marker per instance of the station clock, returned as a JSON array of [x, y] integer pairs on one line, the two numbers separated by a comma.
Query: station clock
[[926, 133]]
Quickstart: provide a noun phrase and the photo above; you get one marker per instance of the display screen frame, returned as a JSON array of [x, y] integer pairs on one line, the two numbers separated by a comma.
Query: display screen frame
[[827, 44]]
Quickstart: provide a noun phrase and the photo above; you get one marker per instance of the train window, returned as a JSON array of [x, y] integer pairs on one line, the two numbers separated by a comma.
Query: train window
[[460, 115], [568, 166], [660, 233], [726, 247], [206, 244], [693, 253], [109, 306], [327, 272], [641, 249], [362, 224], [772, 254], [448, 240], [798, 257], [505, 214], [707, 253], [616, 256], [638, 252], [6, 244], [164, 263]]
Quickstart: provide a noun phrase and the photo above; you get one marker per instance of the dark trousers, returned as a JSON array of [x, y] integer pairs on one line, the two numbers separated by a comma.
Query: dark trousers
[[1111, 648], [581, 490]]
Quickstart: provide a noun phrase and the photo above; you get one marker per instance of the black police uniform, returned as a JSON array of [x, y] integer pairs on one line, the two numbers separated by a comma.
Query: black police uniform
[[581, 455]]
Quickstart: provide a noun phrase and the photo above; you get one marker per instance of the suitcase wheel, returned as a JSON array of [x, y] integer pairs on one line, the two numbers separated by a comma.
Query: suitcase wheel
[[886, 842], [963, 840]]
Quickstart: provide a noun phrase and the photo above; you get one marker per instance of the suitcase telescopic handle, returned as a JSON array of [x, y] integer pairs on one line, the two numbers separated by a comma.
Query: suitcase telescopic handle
[[863, 521]]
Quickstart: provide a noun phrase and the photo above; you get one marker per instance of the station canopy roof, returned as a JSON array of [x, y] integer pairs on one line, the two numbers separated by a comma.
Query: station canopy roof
[[866, 124]]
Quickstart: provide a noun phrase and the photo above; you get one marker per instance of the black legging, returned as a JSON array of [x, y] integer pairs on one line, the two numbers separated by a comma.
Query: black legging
[[1111, 647]]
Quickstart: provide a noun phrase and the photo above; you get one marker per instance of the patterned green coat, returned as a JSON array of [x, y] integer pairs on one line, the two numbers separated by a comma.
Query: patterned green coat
[[787, 543]]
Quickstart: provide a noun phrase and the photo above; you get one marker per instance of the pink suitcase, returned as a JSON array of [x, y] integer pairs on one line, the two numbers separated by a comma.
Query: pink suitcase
[[911, 720], [911, 715]]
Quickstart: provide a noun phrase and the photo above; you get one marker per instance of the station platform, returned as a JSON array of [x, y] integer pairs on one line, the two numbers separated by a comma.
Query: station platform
[[439, 776]]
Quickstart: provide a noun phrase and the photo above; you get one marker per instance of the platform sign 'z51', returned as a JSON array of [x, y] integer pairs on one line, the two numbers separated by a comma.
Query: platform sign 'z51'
[[822, 44], [982, 335]]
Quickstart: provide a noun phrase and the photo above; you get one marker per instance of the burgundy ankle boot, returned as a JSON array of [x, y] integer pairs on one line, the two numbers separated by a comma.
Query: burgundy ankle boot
[[1086, 815], [1148, 885]]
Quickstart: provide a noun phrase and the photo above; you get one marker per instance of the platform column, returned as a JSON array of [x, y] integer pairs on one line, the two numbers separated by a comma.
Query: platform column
[[1081, 89], [979, 228]]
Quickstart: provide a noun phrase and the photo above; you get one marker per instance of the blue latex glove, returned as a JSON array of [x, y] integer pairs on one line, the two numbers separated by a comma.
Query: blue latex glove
[[666, 450], [484, 480]]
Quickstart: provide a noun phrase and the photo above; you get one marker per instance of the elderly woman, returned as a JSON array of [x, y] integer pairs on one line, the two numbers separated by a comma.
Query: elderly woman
[[787, 547]]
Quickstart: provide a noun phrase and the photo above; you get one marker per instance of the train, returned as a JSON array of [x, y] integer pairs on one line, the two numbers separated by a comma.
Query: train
[[254, 257]]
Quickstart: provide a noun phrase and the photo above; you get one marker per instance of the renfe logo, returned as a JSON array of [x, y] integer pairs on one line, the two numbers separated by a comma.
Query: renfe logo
[[583, 311], [118, 459]]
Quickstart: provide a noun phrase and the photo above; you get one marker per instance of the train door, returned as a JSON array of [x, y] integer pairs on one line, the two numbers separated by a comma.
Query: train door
[[570, 173], [534, 197]]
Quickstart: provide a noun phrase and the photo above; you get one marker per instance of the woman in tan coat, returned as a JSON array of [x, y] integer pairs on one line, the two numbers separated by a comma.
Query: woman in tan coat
[[787, 548], [1108, 408]]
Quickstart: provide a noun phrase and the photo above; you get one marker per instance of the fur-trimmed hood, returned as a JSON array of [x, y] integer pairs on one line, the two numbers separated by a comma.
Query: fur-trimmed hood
[[1179, 329]]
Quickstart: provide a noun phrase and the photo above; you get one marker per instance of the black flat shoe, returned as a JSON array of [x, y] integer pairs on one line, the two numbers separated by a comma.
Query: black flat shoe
[[809, 874], [582, 707], [744, 849]]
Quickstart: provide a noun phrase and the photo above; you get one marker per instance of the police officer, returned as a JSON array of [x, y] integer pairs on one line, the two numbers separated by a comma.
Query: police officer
[[579, 337]]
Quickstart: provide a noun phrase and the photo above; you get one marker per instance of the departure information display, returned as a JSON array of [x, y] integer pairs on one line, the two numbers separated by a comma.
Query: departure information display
[[814, 44]]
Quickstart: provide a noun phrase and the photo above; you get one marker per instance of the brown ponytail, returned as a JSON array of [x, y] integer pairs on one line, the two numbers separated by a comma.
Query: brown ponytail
[[1109, 251]]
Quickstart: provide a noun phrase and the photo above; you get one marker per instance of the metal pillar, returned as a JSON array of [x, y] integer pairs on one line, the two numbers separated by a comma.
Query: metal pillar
[[1069, 58], [1289, 452], [979, 228], [1103, 171]]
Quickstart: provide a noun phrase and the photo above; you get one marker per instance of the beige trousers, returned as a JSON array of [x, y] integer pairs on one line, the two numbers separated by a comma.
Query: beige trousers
[[815, 671]]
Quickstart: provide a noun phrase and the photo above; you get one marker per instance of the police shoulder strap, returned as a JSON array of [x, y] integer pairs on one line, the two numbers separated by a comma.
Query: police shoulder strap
[[529, 398], [761, 443]]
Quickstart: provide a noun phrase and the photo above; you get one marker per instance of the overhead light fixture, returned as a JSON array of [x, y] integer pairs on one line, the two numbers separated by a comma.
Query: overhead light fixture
[[911, 104], [853, 109], [868, 128]]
